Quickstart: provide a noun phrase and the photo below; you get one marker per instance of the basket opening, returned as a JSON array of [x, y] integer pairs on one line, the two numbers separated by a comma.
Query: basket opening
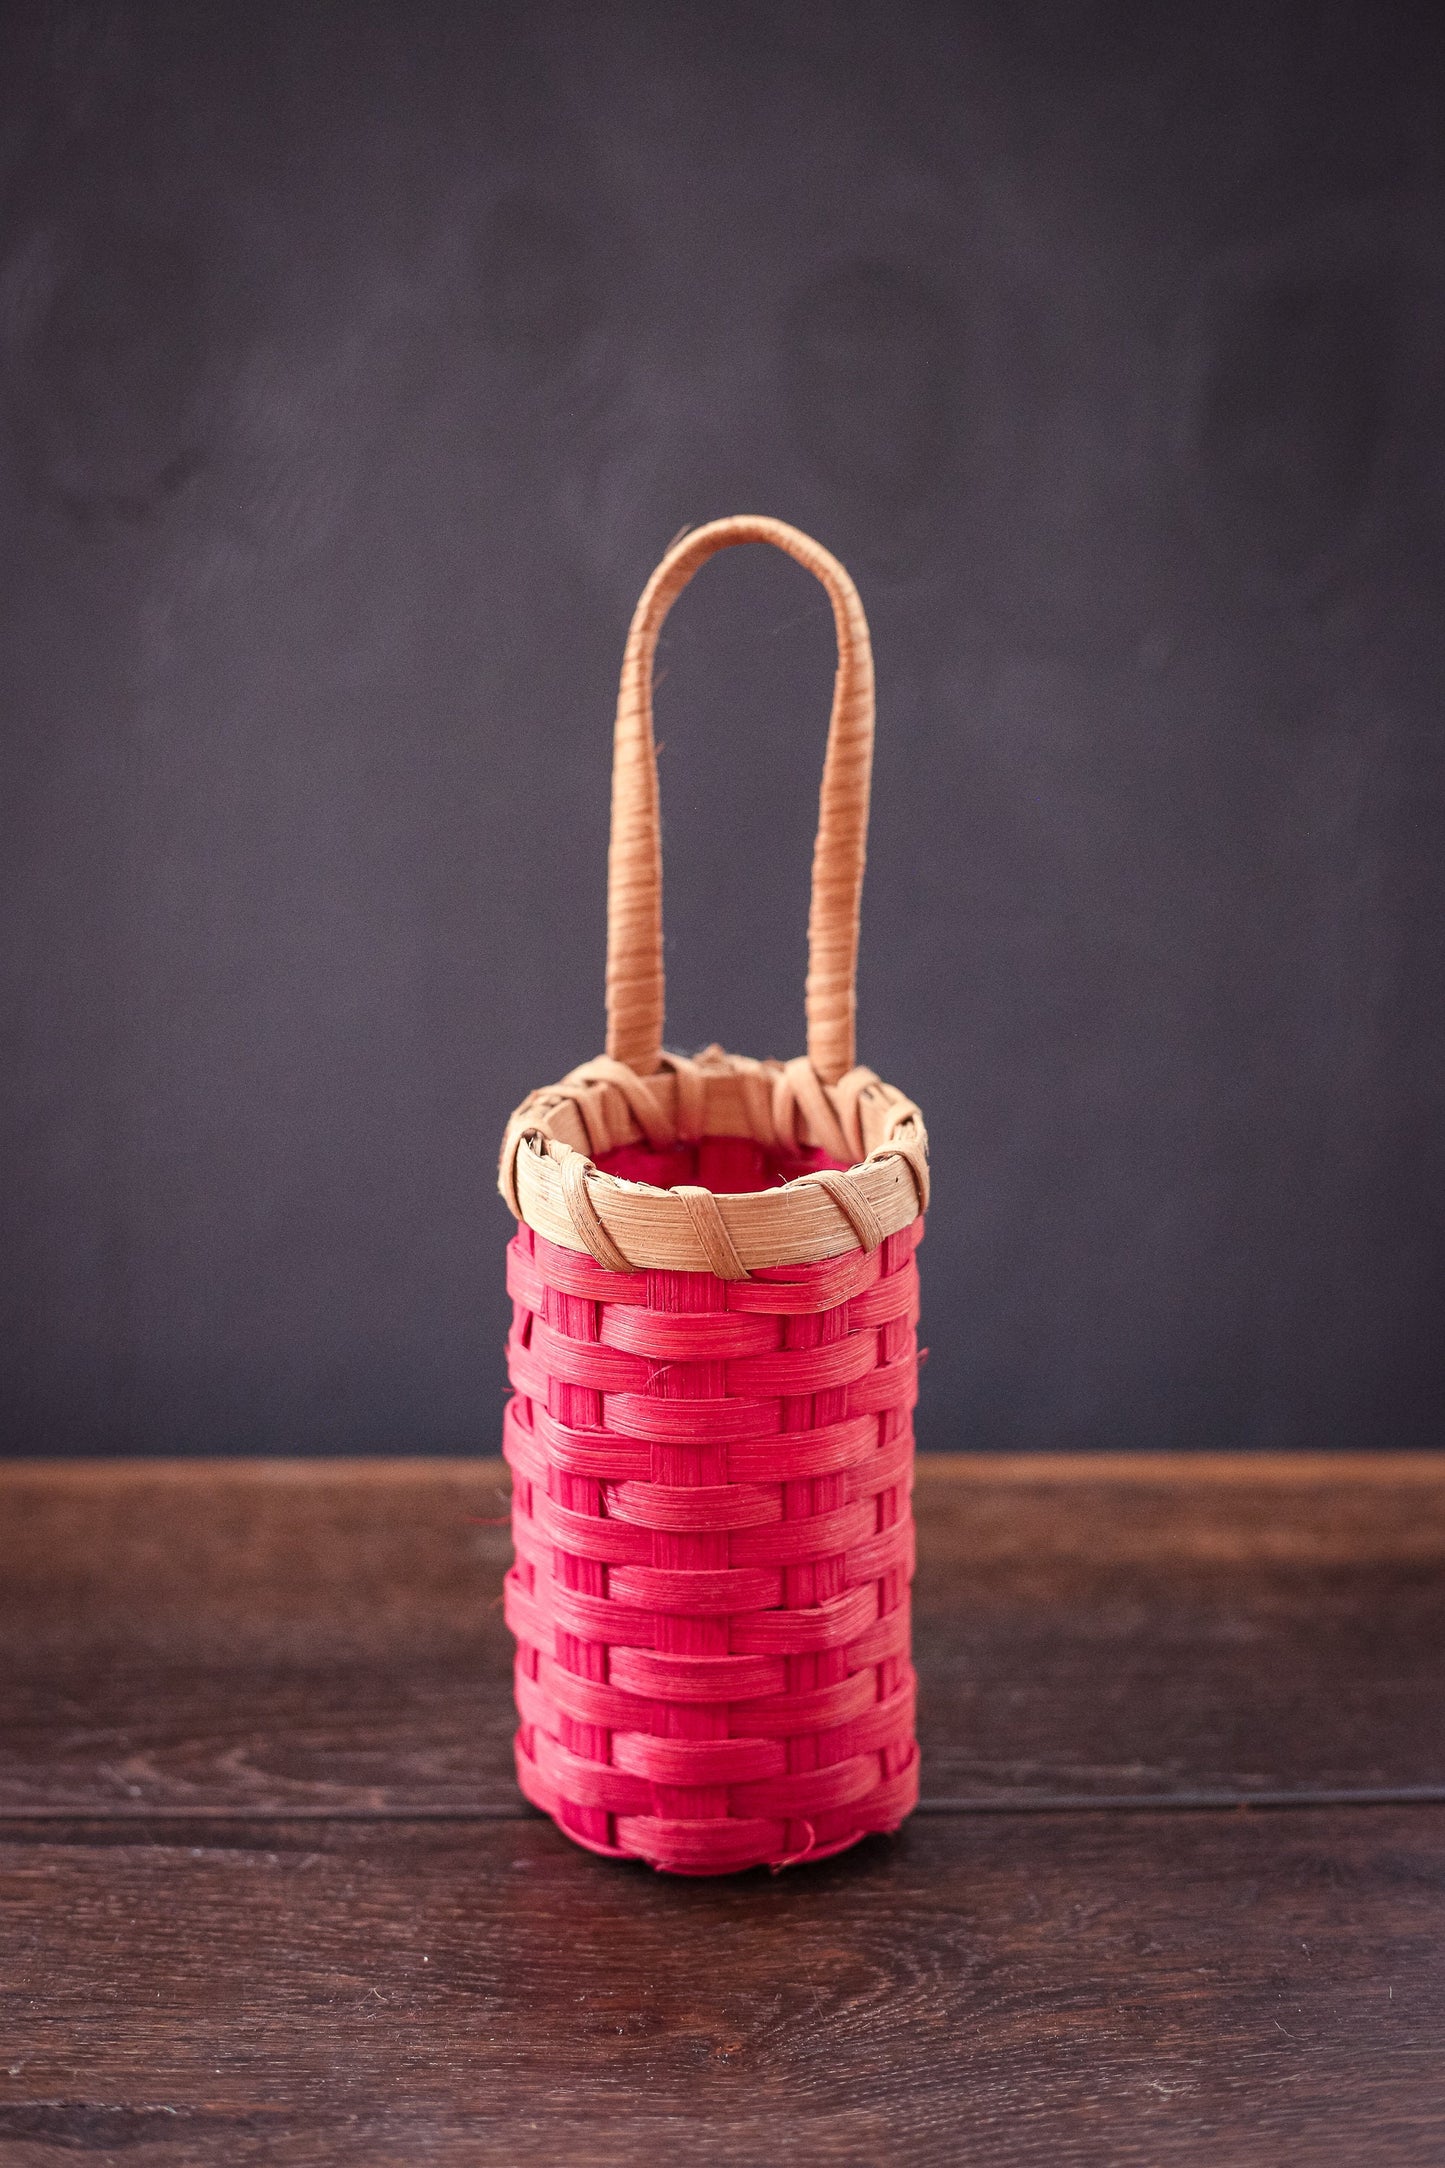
[[730, 1166]]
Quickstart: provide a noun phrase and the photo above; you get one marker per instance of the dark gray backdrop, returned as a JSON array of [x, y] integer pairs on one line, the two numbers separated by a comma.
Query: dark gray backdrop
[[358, 361]]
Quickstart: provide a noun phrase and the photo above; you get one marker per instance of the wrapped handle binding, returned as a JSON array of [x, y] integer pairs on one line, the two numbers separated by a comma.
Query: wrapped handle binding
[[635, 984]]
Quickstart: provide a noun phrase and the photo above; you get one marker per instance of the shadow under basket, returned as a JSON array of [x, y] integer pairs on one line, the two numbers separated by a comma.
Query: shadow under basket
[[714, 1367]]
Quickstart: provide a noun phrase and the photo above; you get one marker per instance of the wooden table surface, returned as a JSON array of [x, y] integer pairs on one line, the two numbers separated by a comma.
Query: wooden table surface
[[1176, 1892]]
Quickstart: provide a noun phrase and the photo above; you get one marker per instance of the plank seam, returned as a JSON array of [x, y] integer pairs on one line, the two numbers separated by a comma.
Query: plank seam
[[1220, 1802]]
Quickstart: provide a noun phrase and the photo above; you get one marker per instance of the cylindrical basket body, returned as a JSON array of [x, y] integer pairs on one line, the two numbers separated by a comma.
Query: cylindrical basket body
[[714, 1366], [714, 1545]]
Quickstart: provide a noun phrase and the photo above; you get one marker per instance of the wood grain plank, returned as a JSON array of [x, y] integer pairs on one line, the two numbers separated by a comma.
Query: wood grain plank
[[323, 1637], [1137, 1989], [263, 1636]]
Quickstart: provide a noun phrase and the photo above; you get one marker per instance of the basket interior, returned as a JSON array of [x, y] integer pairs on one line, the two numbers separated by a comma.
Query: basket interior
[[727, 1165]]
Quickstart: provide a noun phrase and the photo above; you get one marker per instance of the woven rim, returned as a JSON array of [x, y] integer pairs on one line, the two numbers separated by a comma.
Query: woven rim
[[550, 1180]]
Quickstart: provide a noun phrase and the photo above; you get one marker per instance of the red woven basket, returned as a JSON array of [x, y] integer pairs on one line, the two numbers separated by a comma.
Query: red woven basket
[[714, 1367]]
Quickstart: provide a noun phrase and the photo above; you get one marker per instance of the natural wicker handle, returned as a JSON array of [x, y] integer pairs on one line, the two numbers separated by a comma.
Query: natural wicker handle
[[635, 992]]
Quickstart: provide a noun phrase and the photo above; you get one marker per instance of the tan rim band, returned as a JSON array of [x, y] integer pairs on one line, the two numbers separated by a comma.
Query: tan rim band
[[635, 986], [550, 1178]]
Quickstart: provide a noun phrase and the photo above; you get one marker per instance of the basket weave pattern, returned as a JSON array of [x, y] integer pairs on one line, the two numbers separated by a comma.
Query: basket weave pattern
[[714, 1543]]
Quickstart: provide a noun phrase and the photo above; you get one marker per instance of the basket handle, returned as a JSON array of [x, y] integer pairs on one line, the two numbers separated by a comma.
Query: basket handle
[[635, 989]]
